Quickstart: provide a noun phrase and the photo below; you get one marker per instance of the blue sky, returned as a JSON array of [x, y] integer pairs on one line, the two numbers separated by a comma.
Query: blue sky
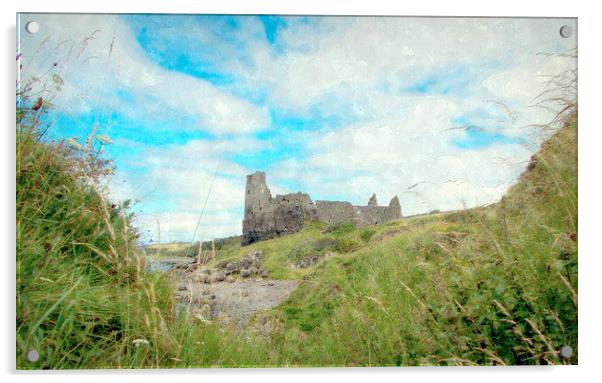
[[339, 107]]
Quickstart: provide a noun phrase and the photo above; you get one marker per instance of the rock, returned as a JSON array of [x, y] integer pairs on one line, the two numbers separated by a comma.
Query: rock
[[253, 270], [230, 279], [200, 278], [205, 270], [271, 283], [220, 276], [182, 288], [245, 263], [245, 273], [255, 256], [265, 274], [231, 268], [308, 261]]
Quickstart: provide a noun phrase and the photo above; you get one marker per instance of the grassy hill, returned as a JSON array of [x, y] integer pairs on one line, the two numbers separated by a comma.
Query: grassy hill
[[494, 285]]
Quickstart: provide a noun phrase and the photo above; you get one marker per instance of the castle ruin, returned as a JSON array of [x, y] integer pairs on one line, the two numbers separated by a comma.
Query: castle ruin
[[269, 217]]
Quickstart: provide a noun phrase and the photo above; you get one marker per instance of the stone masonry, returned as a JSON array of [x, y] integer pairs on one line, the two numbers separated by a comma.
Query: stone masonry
[[269, 217]]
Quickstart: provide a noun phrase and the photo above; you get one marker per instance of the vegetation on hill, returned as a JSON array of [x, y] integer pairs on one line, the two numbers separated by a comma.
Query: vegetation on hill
[[83, 295]]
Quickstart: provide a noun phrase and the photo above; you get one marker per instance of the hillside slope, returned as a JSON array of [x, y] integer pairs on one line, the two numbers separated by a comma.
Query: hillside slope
[[494, 285]]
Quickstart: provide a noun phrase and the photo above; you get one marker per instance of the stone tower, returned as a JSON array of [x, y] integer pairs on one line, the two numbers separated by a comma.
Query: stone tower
[[268, 217], [257, 194], [372, 200], [395, 208]]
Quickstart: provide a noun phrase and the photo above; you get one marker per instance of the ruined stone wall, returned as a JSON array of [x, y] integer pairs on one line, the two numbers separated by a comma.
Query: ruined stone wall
[[301, 199], [372, 214], [269, 217], [335, 211]]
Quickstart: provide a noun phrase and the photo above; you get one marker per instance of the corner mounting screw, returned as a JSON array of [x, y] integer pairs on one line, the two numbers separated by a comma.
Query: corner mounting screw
[[566, 31], [33, 356], [566, 352]]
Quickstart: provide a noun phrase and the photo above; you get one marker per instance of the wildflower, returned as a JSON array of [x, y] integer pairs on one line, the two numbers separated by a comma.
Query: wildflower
[[138, 342]]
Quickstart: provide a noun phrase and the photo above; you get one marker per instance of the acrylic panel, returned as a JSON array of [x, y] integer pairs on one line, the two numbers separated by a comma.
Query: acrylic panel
[[295, 191]]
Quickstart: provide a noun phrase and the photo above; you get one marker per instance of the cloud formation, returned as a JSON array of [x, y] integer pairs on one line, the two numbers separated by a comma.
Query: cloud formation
[[436, 110]]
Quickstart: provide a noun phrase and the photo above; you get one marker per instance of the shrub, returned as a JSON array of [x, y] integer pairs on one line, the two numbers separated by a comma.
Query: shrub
[[367, 234], [339, 228], [345, 245]]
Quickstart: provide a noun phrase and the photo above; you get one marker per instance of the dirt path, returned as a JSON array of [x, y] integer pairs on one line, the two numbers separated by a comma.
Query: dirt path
[[231, 302]]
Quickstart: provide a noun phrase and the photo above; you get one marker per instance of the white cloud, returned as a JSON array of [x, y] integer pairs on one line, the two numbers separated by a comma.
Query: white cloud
[[342, 54], [95, 65], [176, 184], [390, 157]]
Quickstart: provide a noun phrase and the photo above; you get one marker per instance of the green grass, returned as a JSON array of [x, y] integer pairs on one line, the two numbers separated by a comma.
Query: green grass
[[494, 285]]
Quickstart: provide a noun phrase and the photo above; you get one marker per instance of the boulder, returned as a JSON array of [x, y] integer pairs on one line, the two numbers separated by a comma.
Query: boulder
[[200, 277], [255, 255], [245, 263], [308, 262], [231, 268], [245, 273], [220, 276]]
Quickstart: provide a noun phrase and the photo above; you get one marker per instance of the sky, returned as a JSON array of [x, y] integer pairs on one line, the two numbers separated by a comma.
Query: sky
[[439, 111]]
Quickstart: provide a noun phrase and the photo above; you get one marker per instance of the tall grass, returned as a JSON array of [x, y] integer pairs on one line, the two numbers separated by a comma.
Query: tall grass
[[82, 297]]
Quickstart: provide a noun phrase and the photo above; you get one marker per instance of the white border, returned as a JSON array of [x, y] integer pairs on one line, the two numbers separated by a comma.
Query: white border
[[590, 143]]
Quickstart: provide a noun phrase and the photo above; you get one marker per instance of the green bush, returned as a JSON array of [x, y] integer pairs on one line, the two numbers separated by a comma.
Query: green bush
[[345, 245], [367, 234], [339, 229]]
